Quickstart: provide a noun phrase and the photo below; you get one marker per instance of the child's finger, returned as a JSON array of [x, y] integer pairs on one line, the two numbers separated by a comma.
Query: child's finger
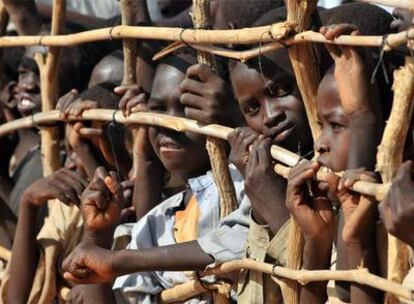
[[136, 104], [189, 85], [83, 106], [191, 100], [112, 183], [90, 133], [199, 71]]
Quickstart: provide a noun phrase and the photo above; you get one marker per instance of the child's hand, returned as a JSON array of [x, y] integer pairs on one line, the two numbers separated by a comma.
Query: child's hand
[[134, 99], [89, 264], [403, 20], [240, 141], [208, 98], [102, 201], [397, 209], [314, 215], [352, 73], [263, 187], [72, 106], [360, 211], [65, 185]]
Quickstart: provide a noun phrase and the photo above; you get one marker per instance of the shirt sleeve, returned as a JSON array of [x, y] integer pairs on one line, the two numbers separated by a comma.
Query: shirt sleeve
[[227, 242]]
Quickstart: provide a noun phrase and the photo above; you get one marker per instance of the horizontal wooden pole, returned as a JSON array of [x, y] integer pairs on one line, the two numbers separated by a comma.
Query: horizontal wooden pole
[[264, 34], [197, 36], [178, 124], [360, 276], [393, 41]]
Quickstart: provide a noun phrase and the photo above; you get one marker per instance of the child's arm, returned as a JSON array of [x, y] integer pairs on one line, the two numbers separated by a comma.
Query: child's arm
[[360, 213], [24, 15], [397, 209], [148, 169], [317, 222], [264, 188], [208, 98], [64, 185]]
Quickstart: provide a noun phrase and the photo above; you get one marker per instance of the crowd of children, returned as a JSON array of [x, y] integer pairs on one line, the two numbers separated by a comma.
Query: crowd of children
[[135, 210]]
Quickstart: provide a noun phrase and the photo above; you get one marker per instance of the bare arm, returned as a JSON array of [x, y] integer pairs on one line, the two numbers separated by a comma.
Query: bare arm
[[24, 14]]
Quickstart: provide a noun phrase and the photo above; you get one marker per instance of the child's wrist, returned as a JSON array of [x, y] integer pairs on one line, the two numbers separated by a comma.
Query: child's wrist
[[316, 255], [101, 238]]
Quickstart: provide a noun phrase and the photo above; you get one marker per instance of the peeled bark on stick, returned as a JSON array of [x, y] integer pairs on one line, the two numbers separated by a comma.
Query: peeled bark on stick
[[390, 157], [48, 67], [215, 147], [129, 17], [305, 66]]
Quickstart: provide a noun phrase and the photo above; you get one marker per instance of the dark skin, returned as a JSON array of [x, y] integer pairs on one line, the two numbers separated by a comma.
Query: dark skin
[[396, 209], [186, 256], [65, 185], [346, 121], [271, 106]]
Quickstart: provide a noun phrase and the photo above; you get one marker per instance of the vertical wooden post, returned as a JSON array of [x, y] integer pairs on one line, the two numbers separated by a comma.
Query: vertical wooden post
[[4, 22], [48, 68], [306, 70], [129, 17], [215, 147], [390, 157]]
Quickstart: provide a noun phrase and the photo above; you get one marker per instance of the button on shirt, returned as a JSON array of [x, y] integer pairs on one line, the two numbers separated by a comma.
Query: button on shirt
[[157, 229]]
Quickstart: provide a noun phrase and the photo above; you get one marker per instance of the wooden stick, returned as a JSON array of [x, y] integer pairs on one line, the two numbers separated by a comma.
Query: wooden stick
[[390, 156], [305, 66], [179, 124], [361, 276], [48, 66], [4, 22], [263, 34], [407, 4], [216, 148], [240, 36], [129, 17]]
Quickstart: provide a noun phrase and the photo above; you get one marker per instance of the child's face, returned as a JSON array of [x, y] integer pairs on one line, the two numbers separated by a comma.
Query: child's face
[[27, 90], [333, 143], [271, 103], [184, 152]]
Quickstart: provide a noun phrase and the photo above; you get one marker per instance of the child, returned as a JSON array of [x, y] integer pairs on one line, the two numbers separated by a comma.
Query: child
[[351, 122]]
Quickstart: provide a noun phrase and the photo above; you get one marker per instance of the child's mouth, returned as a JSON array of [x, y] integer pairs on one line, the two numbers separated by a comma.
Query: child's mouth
[[282, 132], [169, 148]]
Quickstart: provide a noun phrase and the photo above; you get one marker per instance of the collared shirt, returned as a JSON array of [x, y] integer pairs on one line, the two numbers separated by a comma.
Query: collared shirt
[[263, 246], [157, 229]]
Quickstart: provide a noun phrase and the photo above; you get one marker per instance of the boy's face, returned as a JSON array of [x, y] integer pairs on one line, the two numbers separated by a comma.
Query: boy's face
[[27, 90], [271, 102], [333, 143], [184, 152]]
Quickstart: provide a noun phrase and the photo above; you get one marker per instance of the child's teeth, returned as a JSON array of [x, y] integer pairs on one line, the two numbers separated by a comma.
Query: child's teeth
[[26, 102]]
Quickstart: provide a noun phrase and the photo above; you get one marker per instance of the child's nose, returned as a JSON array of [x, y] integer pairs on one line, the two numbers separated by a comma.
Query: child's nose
[[274, 115], [321, 145]]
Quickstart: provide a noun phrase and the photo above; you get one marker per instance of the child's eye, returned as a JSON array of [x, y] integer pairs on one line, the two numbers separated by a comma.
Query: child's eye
[[283, 90], [251, 108], [337, 126]]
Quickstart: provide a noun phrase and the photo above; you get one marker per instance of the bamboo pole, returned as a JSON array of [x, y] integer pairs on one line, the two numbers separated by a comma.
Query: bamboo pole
[[179, 124], [390, 157], [305, 66], [48, 66], [216, 148], [264, 34]]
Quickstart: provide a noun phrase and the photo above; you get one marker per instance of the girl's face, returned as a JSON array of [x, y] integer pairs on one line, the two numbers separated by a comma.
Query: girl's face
[[183, 152], [333, 143], [271, 103]]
